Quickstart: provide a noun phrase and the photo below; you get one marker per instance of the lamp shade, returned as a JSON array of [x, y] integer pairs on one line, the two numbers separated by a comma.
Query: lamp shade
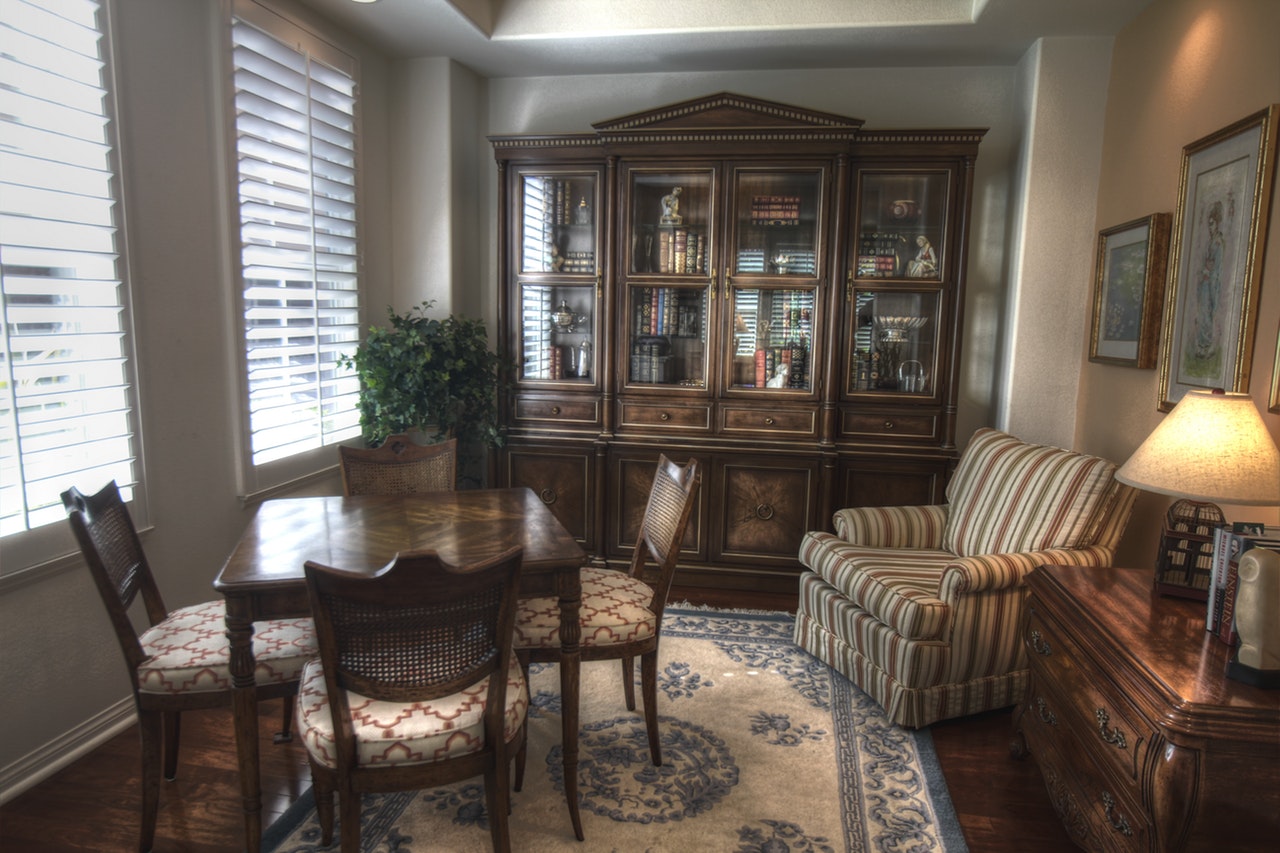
[[1211, 447]]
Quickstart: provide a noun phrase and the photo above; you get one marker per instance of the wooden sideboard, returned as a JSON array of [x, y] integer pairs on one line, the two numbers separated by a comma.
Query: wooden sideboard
[[1143, 742]]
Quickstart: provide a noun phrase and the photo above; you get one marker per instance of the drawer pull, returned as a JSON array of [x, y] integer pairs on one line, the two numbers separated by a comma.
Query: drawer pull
[[1117, 821], [664, 416], [1046, 715], [764, 512], [548, 496], [1038, 644], [555, 410], [889, 425], [768, 421], [1115, 737]]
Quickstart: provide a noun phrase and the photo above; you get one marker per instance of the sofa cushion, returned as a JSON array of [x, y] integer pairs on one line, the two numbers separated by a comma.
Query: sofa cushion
[[1009, 496], [899, 587]]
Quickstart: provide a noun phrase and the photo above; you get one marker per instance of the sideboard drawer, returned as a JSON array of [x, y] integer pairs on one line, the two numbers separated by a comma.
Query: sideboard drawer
[[661, 416], [743, 419], [863, 424], [570, 411], [1112, 728]]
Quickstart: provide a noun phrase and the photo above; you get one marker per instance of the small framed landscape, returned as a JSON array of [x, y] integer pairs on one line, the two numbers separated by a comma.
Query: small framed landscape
[[1219, 231], [1128, 292]]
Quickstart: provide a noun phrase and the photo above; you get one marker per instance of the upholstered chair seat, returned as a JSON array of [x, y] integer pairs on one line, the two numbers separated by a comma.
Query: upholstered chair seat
[[391, 733], [616, 609], [188, 651], [920, 606]]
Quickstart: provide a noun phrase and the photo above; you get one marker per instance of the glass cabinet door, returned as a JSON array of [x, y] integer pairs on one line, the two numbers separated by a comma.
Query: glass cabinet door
[[668, 336], [557, 292], [670, 223], [771, 345], [776, 222], [902, 222], [895, 341]]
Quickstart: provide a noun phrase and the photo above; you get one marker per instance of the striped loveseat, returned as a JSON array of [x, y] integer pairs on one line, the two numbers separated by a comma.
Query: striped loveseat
[[920, 605]]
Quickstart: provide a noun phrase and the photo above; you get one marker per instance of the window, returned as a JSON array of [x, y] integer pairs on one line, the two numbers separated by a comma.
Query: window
[[295, 149], [66, 374]]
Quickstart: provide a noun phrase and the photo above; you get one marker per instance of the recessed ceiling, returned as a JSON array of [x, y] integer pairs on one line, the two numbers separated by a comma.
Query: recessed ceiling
[[533, 38]]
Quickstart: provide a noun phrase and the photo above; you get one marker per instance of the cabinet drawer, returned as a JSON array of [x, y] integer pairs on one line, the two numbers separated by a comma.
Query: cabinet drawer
[[682, 416], [1097, 814], [558, 409], [863, 424], [741, 419], [1114, 732]]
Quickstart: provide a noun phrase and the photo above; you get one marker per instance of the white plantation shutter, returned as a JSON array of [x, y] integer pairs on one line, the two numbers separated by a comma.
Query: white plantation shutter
[[66, 377], [295, 129]]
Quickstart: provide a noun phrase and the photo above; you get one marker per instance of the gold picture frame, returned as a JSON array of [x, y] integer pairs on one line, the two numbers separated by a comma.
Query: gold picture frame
[[1273, 404], [1210, 315], [1128, 292]]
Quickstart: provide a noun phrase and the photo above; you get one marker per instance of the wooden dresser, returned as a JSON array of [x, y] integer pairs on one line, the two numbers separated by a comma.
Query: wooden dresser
[[1143, 742]]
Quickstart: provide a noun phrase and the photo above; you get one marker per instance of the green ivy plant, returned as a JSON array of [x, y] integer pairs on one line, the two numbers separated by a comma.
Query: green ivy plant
[[432, 376]]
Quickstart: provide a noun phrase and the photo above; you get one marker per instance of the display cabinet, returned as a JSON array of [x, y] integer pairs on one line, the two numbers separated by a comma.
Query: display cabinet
[[773, 290]]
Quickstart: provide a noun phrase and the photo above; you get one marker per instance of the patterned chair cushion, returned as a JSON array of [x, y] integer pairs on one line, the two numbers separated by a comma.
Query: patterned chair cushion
[[1009, 496], [189, 652], [615, 609], [398, 733]]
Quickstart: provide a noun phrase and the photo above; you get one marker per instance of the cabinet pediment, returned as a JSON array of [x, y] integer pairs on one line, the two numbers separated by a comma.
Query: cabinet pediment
[[727, 112]]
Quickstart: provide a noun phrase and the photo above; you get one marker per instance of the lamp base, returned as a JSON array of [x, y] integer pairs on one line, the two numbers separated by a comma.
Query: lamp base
[[1268, 679]]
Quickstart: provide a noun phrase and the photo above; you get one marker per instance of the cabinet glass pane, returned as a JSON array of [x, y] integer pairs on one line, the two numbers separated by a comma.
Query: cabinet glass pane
[[557, 224], [776, 222], [668, 344], [557, 324], [772, 339], [669, 217], [895, 337], [902, 224]]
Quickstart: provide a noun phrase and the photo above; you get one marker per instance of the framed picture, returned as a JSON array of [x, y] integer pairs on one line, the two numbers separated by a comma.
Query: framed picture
[[1128, 292], [1273, 403], [1224, 198]]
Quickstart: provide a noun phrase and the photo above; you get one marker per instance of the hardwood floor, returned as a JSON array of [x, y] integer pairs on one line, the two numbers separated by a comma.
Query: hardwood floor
[[93, 805]]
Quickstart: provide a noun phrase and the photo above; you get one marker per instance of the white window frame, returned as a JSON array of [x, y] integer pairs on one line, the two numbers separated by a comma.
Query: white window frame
[[51, 545], [264, 480]]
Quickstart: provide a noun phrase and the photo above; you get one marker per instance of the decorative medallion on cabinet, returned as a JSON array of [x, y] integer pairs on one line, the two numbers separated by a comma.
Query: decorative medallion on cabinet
[[769, 288]]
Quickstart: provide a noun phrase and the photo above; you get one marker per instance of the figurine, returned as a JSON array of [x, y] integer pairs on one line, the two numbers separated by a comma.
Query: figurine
[[925, 263], [671, 207]]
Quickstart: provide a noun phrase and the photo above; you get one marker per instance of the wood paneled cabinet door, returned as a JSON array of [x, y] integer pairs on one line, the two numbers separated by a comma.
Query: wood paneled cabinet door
[[769, 288]]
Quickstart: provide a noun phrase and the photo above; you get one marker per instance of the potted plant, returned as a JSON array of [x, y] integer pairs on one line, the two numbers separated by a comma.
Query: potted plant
[[438, 378]]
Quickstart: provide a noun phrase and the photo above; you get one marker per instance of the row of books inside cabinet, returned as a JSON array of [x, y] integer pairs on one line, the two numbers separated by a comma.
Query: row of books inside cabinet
[[1230, 542], [782, 367], [575, 262], [775, 210], [679, 251], [563, 203], [896, 255], [666, 311]]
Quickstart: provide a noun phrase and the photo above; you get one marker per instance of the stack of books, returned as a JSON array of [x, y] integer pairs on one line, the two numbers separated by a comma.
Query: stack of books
[[1230, 542]]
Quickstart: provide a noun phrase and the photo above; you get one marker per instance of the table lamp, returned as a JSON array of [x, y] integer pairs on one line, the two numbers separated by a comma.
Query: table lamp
[[1214, 447]]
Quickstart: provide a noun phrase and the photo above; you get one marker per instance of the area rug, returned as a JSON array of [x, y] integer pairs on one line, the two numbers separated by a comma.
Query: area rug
[[766, 750]]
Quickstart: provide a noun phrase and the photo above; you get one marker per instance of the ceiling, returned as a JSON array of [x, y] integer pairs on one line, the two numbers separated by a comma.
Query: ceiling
[[536, 38]]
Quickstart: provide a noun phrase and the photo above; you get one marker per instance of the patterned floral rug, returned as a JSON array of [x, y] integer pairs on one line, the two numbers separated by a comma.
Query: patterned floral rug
[[766, 749]]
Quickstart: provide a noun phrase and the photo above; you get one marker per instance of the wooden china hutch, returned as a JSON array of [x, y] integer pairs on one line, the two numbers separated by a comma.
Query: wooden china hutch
[[773, 290]]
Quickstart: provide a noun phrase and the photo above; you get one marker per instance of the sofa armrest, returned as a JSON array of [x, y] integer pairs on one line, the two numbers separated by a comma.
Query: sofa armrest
[[892, 526], [993, 572]]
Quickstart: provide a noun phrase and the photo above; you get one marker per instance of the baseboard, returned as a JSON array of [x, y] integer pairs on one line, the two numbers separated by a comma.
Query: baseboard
[[39, 764]]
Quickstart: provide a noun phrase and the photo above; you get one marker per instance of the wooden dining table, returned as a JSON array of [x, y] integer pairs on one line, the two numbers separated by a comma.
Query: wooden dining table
[[263, 579]]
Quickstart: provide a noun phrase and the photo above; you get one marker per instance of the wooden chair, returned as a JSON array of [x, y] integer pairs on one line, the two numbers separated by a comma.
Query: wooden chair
[[621, 614], [398, 466], [181, 662], [416, 685]]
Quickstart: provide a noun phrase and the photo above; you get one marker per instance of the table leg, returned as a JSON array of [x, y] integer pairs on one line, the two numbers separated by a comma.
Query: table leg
[[570, 659], [244, 708]]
